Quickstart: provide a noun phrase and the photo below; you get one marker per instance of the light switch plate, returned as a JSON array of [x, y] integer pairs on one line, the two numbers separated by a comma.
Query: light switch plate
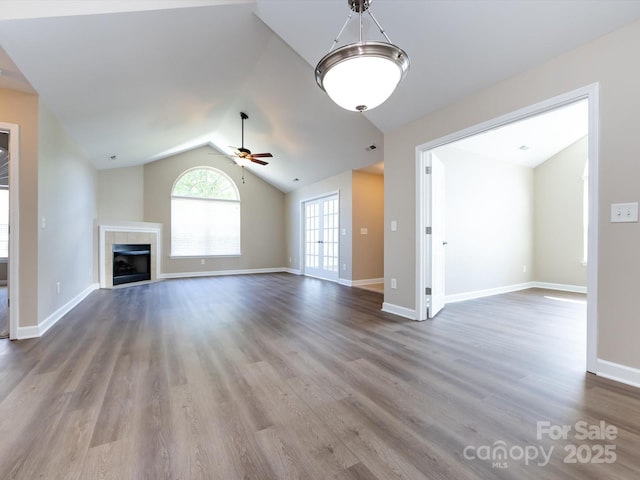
[[624, 212]]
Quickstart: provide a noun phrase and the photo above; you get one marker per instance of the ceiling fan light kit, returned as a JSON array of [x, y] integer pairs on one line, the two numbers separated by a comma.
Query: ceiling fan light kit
[[243, 156], [360, 76]]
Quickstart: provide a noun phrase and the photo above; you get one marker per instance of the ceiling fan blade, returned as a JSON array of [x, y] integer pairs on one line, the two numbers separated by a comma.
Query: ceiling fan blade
[[259, 162], [261, 155]]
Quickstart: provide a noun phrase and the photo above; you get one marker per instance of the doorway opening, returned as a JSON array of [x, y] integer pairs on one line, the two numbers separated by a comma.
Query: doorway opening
[[321, 223], [426, 262], [4, 234], [9, 237]]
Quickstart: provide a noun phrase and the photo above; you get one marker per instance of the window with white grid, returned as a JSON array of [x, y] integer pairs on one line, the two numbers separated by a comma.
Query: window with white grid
[[205, 214], [321, 237]]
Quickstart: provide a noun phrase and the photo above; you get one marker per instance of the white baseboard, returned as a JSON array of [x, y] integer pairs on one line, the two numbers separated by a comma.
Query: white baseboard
[[619, 373], [217, 273], [27, 332], [460, 297], [50, 321], [560, 286], [292, 271], [359, 283], [400, 311]]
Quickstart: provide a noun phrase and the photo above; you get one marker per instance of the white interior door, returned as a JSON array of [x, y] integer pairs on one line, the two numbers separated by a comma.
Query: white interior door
[[321, 237], [436, 242]]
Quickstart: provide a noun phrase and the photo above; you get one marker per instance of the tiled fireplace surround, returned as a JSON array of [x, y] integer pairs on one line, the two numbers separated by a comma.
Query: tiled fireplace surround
[[134, 233]]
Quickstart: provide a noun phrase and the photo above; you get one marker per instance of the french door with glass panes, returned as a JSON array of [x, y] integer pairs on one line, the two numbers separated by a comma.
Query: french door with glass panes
[[321, 237]]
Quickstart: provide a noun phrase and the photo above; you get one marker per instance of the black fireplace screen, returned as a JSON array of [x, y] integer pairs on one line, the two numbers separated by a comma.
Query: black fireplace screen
[[131, 263]]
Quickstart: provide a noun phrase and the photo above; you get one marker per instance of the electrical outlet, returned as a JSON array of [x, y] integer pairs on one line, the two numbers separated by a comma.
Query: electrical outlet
[[624, 212], [202, 261], [524, 269], [57, 287], [394, 283]]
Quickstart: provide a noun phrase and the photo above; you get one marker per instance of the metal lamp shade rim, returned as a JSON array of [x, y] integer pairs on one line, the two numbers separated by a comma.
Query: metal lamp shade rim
[[362, 49]]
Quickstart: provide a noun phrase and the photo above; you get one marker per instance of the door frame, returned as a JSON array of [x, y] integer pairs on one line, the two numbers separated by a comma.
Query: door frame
[[592, 94], [13, 270], [303, 232], [434, 240]]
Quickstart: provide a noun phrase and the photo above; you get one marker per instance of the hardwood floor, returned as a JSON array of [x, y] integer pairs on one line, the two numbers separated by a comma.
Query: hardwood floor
[[284, 377]]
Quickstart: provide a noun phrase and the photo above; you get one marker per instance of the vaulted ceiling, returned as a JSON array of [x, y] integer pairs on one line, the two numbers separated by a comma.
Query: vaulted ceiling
[[143, 80]]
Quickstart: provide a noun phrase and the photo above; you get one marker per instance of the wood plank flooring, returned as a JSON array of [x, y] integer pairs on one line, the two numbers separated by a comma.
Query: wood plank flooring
[[283, 377]]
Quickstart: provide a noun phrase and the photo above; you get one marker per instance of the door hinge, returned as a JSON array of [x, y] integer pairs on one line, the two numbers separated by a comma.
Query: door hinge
[[427, 230], [428, 170], [427, 291]]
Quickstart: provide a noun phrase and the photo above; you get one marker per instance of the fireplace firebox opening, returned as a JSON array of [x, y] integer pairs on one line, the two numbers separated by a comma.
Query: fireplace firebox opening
[[131, 263]]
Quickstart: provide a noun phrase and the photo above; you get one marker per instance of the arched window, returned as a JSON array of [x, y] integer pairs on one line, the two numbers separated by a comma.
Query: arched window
[[205, 214]]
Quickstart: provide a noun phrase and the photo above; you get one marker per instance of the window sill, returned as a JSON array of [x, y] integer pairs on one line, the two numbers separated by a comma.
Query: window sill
[[192, 257]]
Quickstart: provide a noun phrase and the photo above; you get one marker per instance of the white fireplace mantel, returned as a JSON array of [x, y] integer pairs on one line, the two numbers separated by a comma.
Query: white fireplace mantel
[[127, 232]]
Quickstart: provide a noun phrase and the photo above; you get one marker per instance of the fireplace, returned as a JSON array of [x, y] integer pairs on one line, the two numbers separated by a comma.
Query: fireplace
[[113, 236], [131, 262]]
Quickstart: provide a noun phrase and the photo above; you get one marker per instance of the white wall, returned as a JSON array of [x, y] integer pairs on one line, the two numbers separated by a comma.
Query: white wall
[[488, 222], [559, 189], [67, 190], [607, 61]]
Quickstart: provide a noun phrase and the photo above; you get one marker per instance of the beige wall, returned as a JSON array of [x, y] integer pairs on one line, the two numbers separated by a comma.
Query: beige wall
[[121, 195], [368, 212], [488, 222], [67, 203], [262, 214], [559, 189], [293, 201], [22, 109], [609, 61]]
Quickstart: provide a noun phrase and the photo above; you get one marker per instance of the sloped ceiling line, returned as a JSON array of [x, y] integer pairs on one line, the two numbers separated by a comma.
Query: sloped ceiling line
[[143, 84]]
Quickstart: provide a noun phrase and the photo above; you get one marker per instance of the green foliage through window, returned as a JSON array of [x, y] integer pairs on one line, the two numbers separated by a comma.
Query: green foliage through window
[[205, 182]]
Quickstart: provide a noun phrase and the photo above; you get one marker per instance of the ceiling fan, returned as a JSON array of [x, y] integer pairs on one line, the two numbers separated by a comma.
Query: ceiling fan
[[243, 154]]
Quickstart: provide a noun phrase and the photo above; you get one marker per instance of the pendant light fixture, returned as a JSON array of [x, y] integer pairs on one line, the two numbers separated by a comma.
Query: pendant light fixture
[[360, 76]]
